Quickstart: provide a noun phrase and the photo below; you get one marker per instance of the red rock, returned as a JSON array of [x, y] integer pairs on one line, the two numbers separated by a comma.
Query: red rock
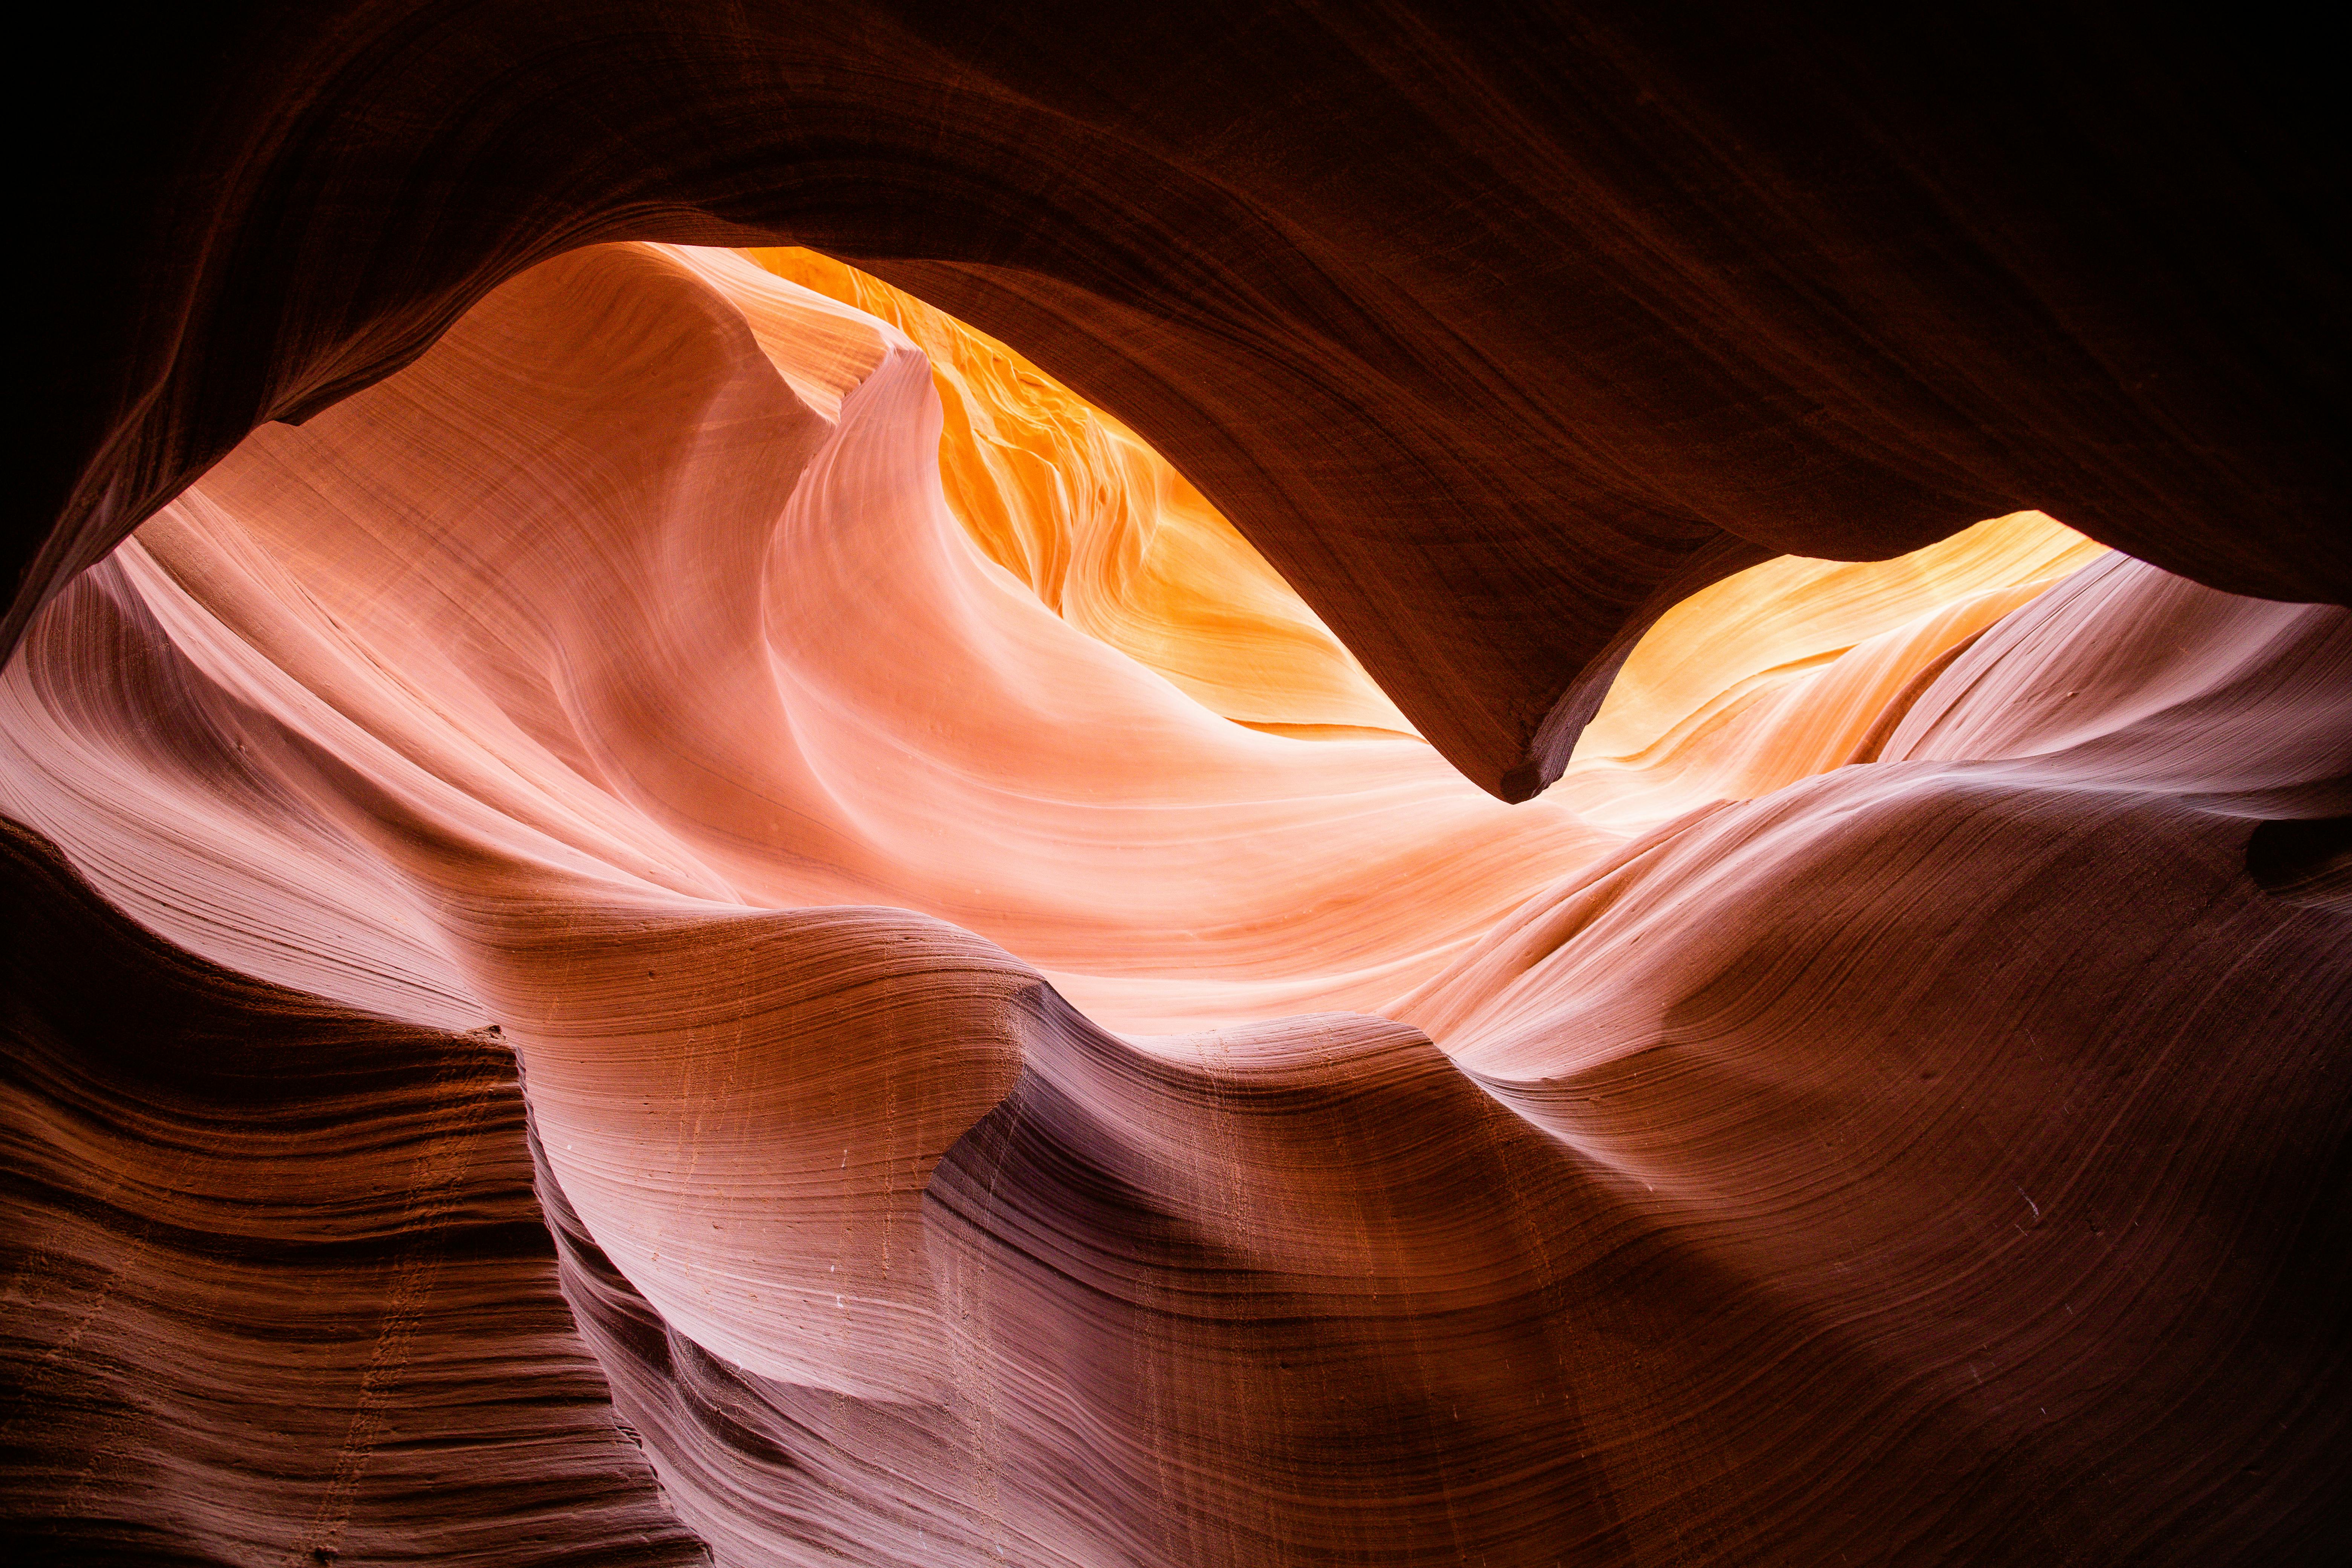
[[1019, 1066]]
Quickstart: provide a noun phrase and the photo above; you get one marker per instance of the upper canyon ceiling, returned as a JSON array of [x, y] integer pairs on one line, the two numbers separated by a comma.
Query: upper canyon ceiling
[[1243, 784]]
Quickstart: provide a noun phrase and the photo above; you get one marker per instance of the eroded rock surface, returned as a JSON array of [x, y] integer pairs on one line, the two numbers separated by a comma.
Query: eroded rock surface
[[1020, 1069], [276, 1286], [1497, 331]]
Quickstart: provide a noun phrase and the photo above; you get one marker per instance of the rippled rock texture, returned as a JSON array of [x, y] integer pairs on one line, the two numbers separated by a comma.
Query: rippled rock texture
[[1497, 334], [276, 1289], [711, 916]]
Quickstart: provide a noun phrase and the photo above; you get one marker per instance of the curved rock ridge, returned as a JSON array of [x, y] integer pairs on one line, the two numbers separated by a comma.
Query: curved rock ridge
[[2120, 688], [627, 579], [992, 1106], [1797, 667], [1108, 533], [643, 582]]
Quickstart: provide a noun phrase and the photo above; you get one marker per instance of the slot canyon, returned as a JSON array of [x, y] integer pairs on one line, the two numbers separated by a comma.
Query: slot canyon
[[1319, 782]]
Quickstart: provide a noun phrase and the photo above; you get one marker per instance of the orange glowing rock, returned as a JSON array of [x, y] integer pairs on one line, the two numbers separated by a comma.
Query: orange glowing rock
[[1028, 1057]]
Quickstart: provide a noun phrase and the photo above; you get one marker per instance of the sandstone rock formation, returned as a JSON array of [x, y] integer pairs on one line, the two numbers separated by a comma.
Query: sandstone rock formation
[[1498, 335], [714, 916], [276, 1287]]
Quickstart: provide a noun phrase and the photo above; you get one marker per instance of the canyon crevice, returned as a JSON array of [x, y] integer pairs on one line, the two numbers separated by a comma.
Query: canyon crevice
[[863, 785]]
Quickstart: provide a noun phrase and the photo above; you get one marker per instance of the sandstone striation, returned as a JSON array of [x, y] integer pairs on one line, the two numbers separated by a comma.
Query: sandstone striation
[[995, 1100], [674, 898], [1498, 335], [277, 1286]]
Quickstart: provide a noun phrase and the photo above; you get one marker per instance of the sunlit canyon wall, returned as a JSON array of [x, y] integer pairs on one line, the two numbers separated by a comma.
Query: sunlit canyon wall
[[1512, 898]]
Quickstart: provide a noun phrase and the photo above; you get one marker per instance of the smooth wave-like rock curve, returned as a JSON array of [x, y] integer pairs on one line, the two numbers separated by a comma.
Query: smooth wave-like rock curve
[[645, 582], [1796, 667], [1107, 533], [992, 1106], [1498, 333]]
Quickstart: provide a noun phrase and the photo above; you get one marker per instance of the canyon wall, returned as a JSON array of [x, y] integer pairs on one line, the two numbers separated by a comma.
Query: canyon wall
[[990, 1104], [914, 785]]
